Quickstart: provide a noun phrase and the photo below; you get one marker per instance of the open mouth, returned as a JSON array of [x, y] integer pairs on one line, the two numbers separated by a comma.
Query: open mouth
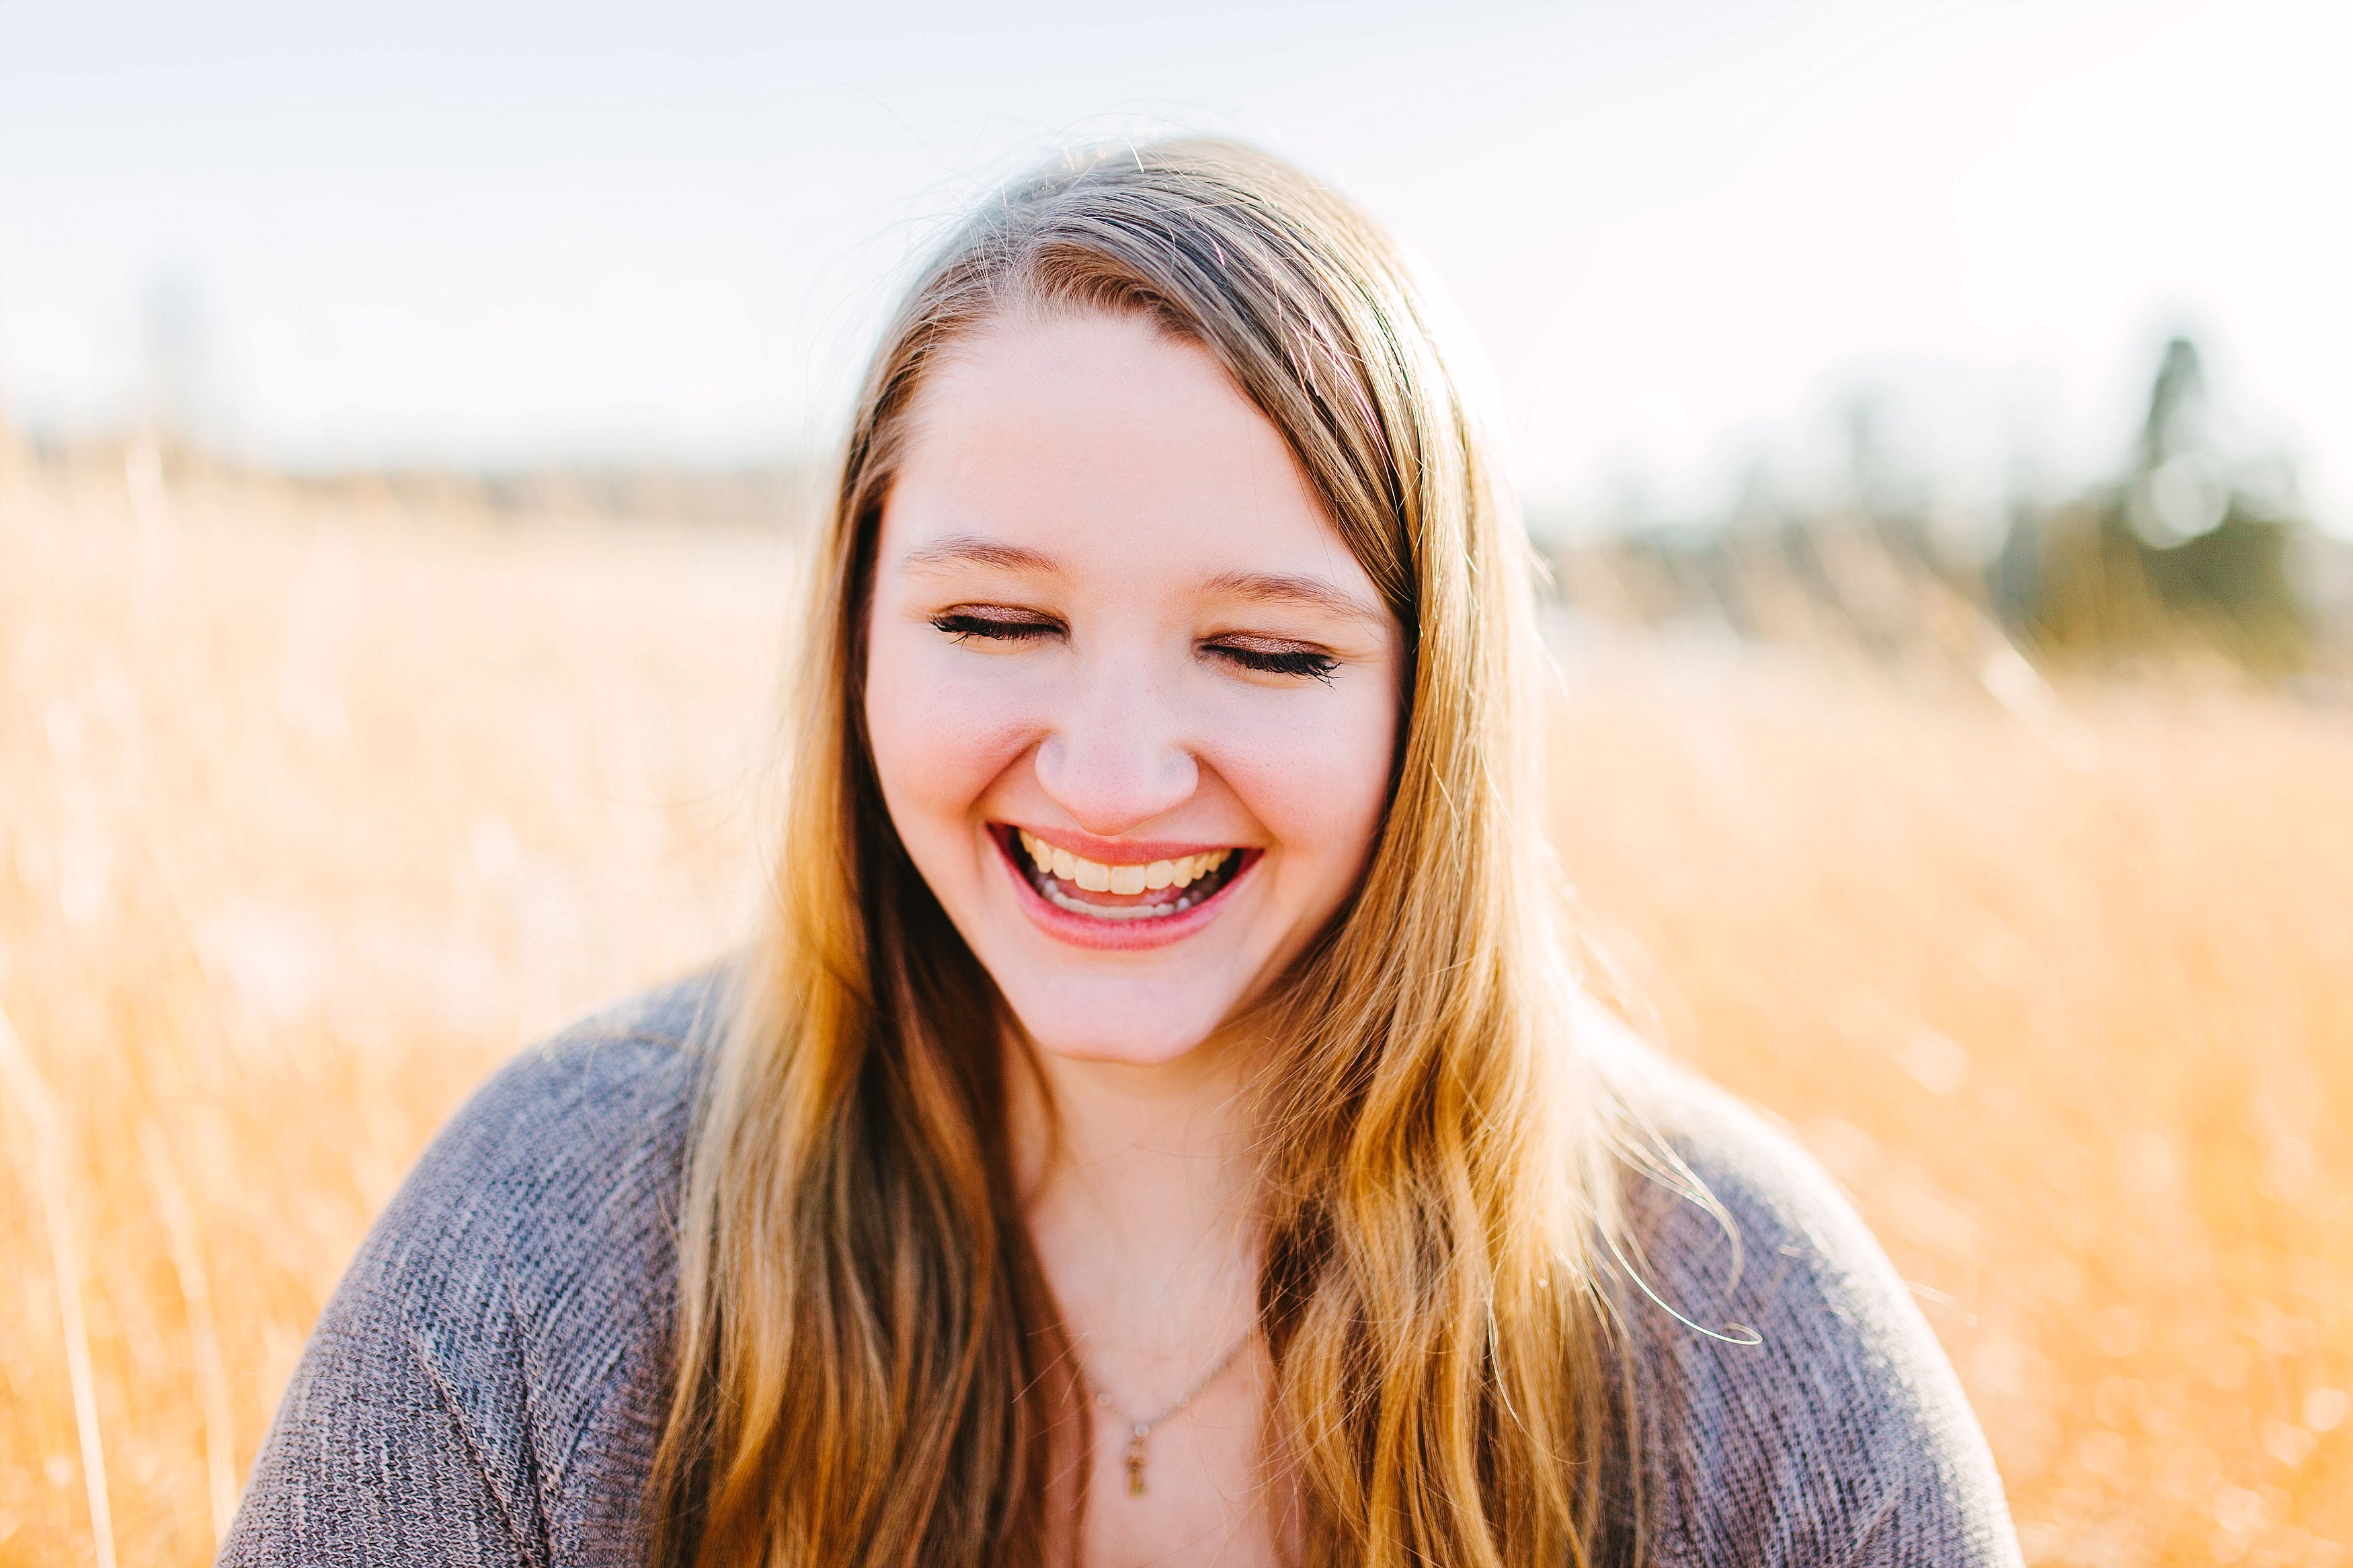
[[1122, 894]]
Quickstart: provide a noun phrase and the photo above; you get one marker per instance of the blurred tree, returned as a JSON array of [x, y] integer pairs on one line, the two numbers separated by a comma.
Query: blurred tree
[[2176, 555]]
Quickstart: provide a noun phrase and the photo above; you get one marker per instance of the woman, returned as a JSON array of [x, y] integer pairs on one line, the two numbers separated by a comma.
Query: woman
[[1158, 1126]]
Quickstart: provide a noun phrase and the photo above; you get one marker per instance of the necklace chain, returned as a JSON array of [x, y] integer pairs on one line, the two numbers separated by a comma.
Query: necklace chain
[[1139, 1432]]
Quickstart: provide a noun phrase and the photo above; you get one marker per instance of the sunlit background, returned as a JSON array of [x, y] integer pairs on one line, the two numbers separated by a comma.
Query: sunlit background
[[1691, 235], [1936, 420]]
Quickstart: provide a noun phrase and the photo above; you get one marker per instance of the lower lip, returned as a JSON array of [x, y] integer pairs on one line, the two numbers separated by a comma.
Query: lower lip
[[1121, 936]]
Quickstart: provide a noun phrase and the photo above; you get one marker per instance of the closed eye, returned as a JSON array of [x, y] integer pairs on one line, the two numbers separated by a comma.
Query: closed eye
[[995, 625], [1267, 658]]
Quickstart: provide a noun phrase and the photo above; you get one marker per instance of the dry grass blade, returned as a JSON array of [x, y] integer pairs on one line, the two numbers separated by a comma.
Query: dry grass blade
[[39, 1107], [195, 1293]]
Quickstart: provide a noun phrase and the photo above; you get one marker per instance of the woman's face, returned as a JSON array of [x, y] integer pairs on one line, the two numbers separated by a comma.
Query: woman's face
[[1132, 700]]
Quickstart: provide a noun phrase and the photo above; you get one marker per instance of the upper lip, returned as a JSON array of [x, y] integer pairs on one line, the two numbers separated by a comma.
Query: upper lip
[[1124, 851]]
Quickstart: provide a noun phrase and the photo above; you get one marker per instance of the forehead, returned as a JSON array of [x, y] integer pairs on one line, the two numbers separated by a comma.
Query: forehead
[[1107, 444]]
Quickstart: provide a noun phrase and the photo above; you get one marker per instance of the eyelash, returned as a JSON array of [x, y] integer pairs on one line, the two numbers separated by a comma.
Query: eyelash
[[1307, 662], [960, 626], [1290, 661]]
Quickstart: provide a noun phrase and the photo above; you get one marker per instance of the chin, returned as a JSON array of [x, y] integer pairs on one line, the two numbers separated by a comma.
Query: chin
[[1150, 1035]]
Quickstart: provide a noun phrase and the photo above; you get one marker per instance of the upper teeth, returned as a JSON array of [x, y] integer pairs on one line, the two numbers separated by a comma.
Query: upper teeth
[[1097, 878]]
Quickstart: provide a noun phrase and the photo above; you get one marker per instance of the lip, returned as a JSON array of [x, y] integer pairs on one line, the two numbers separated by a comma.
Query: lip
[[1121, 936], [1114, 851]]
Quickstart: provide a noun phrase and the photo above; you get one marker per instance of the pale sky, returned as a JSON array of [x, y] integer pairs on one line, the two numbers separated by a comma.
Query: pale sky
[[1687, 233]]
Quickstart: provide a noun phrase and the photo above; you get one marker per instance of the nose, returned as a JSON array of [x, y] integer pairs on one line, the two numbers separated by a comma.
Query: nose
[[1115, 758]]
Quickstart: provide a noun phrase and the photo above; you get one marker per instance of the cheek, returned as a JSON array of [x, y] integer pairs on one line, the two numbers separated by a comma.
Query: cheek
[[940, 736], [1317, 784]]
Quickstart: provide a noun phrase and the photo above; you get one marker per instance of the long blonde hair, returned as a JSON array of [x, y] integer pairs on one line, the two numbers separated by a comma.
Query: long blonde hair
[[869, 1364]]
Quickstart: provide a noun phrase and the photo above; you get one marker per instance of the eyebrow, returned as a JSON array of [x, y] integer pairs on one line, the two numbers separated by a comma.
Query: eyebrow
[[965, 549], [1274, 587]]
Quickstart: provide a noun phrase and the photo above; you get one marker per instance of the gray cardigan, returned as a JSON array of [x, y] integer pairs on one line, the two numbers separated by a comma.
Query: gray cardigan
[[488, 1384]]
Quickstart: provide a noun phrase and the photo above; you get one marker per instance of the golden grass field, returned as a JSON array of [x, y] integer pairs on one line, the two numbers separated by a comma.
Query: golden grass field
[[312, 810]]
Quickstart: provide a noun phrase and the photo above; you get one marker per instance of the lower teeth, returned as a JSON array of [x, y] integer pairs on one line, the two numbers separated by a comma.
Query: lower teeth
[[1062, 900], [1050, 889]]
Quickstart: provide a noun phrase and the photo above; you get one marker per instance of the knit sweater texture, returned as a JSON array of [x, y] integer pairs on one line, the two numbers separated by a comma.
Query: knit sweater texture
[[488, 1384]]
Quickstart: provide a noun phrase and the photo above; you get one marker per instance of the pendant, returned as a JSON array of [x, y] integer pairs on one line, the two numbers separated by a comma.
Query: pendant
[[1135, 1456]]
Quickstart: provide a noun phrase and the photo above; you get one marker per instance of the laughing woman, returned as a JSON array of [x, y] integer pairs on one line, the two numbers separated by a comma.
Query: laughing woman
[[1157, 1124]]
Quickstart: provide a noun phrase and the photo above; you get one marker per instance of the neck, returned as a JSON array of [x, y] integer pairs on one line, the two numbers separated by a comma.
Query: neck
[[1143, 1209]]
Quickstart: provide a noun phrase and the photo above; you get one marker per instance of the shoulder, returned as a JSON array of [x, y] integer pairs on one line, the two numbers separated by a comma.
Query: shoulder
[[495, 1360], [551, 1197], [580, 1130], [1793, 1406], [565, 1163]]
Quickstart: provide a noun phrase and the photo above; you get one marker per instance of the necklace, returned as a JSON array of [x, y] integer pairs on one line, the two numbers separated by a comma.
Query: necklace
[[1138, 1432]]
